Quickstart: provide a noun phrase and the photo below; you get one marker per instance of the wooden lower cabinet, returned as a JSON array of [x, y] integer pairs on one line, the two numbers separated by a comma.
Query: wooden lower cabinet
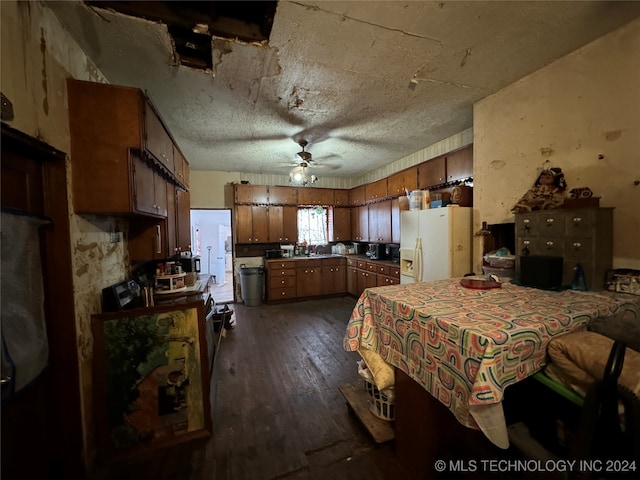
[[309, 278], [281, 280], [300, 278], [304, 278], [352, 277], [363, 274], [334, 278]]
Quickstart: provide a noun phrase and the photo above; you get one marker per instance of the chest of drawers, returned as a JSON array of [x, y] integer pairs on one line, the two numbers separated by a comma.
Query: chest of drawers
[[581, 236]]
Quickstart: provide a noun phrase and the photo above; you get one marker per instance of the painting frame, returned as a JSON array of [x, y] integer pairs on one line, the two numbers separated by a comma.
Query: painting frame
[[150, 378]]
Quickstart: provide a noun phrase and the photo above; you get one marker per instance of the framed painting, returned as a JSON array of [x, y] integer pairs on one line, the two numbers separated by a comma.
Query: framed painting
[[151, 379]]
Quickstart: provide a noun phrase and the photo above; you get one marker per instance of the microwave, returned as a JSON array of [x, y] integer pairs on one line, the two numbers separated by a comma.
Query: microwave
[[376, 251]]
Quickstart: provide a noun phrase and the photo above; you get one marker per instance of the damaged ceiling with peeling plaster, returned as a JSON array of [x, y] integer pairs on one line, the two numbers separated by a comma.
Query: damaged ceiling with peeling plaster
[[364, 83]]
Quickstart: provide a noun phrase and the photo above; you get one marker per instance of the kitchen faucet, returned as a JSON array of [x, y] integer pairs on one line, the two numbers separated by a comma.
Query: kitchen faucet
[[315, 250]]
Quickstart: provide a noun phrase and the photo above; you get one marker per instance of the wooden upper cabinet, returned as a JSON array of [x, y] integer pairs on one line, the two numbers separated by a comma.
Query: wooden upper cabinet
[[178, 220], [251, 224], [363, 223], [158, 142], [341, 197], [460, 164], [432, 172], [110, 126], [356, 196], [375, 190], [283, 223], [290, 223], [315, 196], [283, 196], [401, 182], [172, 219], [183, 220], [341, 231], [246, 193], [380, 221], [395, 220], [181, 167], [105, 122], [149, 189]]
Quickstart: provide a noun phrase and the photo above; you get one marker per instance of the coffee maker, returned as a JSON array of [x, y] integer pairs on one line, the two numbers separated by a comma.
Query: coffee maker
[[189, 262]]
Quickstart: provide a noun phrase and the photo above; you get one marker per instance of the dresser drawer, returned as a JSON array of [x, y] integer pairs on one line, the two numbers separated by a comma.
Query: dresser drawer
[[279, 282], [281, 265], [285, 272], [540, 246], [578, 249], [380, 269], [282, 293], [550, 225], [384, 280], [580, 224]]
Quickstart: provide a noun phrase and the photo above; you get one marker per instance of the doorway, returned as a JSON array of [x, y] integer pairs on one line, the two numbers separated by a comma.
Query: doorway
[[212, 241]]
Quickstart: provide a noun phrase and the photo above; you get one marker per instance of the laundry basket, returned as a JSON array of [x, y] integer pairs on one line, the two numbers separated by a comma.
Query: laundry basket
[[381, 403]]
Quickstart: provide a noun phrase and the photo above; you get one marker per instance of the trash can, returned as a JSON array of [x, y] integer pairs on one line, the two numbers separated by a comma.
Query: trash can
[[252, 285]]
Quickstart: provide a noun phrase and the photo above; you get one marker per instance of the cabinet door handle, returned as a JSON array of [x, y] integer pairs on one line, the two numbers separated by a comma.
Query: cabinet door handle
[[550, 221], [158, 239], [577, 245], [549, 243], [577, 219]]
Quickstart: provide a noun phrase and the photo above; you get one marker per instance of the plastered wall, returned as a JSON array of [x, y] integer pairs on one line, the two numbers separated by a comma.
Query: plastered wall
[[569, 114]]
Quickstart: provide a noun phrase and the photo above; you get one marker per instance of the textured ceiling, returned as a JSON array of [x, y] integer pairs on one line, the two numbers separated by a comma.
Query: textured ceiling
[[365, 83]]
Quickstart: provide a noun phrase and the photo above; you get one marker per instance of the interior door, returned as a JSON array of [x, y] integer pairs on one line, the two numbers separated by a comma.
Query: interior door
[[41, 424]]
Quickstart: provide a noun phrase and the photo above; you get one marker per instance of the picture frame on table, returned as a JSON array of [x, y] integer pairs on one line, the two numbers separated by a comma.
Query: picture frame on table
[[151, 379]]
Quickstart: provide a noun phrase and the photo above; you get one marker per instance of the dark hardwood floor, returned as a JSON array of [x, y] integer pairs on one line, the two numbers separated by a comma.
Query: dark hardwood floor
[[277, 411]]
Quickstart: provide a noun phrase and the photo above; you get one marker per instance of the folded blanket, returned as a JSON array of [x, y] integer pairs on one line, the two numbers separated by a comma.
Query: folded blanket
[[579, 359], [383, 373]]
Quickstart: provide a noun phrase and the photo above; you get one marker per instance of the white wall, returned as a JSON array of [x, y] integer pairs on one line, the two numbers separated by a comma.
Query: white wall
[[581, 106]]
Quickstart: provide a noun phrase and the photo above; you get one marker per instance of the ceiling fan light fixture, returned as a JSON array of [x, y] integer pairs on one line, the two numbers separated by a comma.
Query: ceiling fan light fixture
[[298, 176]]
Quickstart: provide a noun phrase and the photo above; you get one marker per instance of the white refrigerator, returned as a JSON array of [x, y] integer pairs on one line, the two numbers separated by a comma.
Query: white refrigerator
[[435, 244]]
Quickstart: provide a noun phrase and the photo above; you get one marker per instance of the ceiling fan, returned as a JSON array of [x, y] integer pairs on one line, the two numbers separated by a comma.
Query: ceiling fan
[[299, 173], [304, 155], [305, 159]]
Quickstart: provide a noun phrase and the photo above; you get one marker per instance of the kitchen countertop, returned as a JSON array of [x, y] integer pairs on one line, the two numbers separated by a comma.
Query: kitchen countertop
[[199, 290], [335, 255]]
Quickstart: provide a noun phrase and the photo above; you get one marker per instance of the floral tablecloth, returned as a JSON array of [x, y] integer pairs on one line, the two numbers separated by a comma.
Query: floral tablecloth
[[465, 346]]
